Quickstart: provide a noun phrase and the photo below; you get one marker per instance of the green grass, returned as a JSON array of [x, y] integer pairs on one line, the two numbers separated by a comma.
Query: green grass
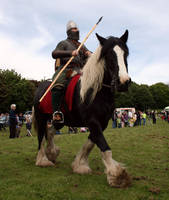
[[144, 151]]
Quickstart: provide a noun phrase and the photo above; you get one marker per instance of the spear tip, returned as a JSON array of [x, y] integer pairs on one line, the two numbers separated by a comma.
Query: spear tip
[[99, 20]]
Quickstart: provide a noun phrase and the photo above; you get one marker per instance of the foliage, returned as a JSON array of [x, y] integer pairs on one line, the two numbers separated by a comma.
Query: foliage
[[144, 151], [144, 97], [160, 93], [14, 89]]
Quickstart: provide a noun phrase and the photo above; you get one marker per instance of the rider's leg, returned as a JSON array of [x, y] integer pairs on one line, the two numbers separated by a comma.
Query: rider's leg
[[57, 96]]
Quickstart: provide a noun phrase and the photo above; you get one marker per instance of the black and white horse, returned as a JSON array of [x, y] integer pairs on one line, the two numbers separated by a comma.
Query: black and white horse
[[105, 71]]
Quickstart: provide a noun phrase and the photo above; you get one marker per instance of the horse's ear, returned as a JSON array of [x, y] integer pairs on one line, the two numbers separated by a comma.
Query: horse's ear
[[124, 37], [101, 39]]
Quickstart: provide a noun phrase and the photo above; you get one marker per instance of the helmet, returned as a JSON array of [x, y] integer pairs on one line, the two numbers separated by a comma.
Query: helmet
[[71, 24]]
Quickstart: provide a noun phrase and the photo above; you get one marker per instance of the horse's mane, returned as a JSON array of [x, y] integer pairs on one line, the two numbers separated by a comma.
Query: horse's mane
[[92, 75]]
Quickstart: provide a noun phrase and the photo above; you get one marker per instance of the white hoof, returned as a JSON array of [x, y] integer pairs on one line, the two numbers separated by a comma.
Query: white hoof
[[120, 180], [42, 160], [44, 163], [81, 169]]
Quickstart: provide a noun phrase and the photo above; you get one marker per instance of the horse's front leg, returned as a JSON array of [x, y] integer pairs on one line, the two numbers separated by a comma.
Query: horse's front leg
[[80, 164], [116, 174]]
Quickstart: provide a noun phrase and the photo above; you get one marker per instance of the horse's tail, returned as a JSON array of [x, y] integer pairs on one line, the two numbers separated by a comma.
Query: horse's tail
[[40, 119], [34, 121]]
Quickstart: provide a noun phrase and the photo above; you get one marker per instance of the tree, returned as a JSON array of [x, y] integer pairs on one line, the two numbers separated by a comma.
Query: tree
[[160, 93], [138, 96], [143, 98], [14, 89]]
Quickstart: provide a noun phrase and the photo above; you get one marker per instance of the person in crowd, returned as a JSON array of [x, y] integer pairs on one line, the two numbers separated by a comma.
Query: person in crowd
[[149, 117], [18, 126], [153, 115], [119, 125], [122, 120], [114, 119], [125, 119], [28, 120], [130, 115], [21, 118], [132, 120], [62, 53], [72, 129], [138, 121], [6, 119], [163, 116], [12, 121], [168, 116], [144, 116], [2, 121]]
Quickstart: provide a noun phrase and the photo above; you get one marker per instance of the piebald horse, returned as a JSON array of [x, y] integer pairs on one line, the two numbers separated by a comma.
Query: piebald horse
[[105, 72]]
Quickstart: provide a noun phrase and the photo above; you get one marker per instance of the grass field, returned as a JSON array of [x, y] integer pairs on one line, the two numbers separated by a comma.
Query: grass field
[[144, 151]]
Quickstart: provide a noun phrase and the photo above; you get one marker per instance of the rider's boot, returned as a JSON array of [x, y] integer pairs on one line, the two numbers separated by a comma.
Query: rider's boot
[[58, 117]]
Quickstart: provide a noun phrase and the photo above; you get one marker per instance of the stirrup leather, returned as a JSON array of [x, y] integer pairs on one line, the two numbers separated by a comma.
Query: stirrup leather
[[58, 117]]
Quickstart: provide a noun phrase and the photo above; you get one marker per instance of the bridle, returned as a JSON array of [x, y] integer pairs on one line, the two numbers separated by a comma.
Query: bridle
[[113, 83]]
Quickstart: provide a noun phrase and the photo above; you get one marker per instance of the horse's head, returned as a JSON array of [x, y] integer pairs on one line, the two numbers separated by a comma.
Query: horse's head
[[115, 51]]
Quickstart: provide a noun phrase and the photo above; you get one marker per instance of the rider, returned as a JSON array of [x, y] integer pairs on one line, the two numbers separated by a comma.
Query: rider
[[62, 53]]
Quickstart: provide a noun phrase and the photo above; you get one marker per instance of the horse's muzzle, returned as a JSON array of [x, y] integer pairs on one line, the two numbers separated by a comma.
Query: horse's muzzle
[[124, 87]]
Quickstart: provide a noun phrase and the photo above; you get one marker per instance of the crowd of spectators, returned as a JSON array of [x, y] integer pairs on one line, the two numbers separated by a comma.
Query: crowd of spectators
[[120, 119], [129, 119], [4, 119], [15, 122]]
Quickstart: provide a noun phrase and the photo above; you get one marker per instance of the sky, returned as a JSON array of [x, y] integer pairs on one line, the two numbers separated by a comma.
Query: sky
[[31, 29]]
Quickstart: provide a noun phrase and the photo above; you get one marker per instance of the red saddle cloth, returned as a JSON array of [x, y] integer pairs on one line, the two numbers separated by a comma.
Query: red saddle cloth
[[46, 104]]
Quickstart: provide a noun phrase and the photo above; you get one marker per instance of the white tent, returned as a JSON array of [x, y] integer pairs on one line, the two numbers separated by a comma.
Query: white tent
[[166, 108]]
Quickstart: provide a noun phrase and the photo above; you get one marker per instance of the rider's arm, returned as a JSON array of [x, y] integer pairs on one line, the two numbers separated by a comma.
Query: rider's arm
[[61, 51]]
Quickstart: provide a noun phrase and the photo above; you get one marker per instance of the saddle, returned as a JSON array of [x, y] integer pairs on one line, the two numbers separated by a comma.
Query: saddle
[[45, 105]]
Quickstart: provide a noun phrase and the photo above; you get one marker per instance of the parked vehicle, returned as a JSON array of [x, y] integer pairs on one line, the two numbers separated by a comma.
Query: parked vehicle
[[121, 110]]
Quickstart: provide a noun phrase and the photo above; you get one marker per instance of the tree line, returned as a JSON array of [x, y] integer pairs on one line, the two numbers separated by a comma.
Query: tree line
[[18, 90]]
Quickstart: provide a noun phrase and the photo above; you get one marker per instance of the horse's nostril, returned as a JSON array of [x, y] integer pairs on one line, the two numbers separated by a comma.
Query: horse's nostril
[[129, 81]]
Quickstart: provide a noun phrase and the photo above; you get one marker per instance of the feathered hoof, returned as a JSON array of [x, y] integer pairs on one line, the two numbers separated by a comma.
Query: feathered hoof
[[121, 180], [81, 169]]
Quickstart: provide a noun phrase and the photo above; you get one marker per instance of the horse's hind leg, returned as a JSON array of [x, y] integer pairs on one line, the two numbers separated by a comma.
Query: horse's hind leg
[[42, 160], [51, 150], [80, 164], [40, 127]]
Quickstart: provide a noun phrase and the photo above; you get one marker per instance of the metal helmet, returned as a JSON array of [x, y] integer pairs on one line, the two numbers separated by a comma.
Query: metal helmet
[[71, 24]]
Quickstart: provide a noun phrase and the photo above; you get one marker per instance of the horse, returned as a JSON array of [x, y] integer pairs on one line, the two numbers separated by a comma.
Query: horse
[[105, 72]]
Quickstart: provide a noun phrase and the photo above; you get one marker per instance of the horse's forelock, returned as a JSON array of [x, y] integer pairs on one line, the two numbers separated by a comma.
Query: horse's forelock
[[110, 43]]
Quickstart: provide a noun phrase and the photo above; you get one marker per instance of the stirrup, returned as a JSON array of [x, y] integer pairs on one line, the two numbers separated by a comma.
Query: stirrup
[[58, 117]]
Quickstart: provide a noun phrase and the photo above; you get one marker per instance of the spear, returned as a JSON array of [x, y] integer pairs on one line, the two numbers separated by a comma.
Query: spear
[[68, 62]]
